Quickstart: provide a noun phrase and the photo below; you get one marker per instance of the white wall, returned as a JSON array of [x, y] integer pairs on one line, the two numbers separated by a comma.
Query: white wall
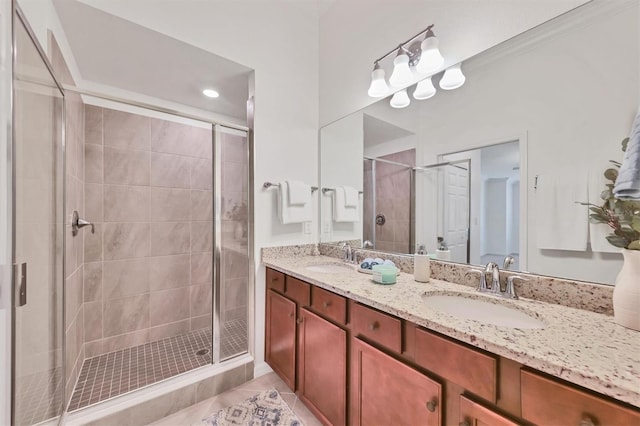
[[494, 217], [571, 104], [354, 33], [5, 213], [341, 160]]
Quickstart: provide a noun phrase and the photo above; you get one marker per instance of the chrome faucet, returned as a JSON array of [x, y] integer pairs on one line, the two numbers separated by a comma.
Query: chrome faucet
[[494, 288], [493, 269], [508, 261], [347, 253]]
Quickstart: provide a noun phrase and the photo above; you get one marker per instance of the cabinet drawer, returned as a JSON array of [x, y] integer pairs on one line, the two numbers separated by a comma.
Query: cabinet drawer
[[329, 304], [473, 413], [471, 369], [297, 290], [376, 326], [547, 401], [275, 280]]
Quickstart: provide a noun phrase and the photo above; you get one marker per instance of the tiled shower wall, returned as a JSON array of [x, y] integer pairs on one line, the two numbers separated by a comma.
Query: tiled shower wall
[[148, 267], [74, 311]]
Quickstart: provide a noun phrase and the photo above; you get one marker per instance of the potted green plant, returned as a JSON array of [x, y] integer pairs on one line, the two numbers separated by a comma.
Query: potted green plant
[[623, 217]]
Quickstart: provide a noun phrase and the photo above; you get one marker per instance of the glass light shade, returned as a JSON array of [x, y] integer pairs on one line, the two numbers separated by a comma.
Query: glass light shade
[[430, 59], [378, 87], [400, 99], [424, 89], [452, 78], [401, 75]]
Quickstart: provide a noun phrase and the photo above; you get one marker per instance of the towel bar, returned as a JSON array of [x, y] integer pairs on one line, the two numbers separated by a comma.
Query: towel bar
[[325, 190], [270, 184]]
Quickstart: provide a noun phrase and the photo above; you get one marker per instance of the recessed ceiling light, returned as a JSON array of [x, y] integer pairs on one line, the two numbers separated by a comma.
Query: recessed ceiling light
[[210, 93]]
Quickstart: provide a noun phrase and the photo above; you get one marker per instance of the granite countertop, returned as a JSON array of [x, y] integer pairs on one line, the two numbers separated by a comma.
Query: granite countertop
[[582, 347]]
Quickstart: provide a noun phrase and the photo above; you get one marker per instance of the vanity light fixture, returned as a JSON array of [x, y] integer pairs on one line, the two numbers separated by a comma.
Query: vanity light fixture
[[414, 58], [210, 93], [401, 75], [400, 99], [430, 59], [452, 78], [378, 87], [424, 90]]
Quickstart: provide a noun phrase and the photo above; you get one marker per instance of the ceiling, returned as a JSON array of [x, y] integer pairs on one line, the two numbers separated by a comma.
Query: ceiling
[[499, 161], [112, 51], [378, 131]]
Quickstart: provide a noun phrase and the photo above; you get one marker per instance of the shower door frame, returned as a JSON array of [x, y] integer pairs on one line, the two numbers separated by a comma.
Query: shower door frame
[[18, 15], [16, 12]]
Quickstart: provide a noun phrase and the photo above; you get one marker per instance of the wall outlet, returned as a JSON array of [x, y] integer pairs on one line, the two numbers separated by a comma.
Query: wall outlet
[[306, 227]]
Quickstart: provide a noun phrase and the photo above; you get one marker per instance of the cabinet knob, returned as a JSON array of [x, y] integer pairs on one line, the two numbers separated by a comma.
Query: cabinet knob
[[326, 304], [587, 420], [292, 314], [374, 326], [299, 321], [465, 422], [431, 405]]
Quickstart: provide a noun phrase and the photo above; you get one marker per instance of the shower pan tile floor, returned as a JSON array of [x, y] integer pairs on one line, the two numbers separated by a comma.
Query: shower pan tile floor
[[112, 374], [115, 373], [39, 396]]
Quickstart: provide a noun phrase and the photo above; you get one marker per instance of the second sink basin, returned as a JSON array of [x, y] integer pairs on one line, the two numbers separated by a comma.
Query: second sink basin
[[482, 311], [329, 268]]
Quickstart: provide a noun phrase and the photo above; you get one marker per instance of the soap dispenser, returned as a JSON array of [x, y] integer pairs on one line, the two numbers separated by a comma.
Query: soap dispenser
[[421, 265], [443, 252]]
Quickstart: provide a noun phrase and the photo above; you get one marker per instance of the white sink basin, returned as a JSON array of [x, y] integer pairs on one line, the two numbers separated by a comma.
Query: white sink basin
[[482, 311], [329, 268]]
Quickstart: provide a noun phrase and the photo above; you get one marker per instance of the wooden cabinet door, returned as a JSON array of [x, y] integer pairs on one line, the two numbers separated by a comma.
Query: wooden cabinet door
[[280, 336], [384, 391], [322, 373], [474, 414]]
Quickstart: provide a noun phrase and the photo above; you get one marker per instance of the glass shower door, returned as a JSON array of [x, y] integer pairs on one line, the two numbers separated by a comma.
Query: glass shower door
[[38, 236], [231, 160]]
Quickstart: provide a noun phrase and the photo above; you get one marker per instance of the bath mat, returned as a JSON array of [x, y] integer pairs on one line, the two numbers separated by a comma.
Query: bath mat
[[265, 409]]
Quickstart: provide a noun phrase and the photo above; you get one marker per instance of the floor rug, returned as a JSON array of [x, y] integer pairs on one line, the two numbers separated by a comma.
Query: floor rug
[[265, 409]]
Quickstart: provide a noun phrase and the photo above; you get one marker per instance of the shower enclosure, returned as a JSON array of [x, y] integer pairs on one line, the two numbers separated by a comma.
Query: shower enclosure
[[157, 281]]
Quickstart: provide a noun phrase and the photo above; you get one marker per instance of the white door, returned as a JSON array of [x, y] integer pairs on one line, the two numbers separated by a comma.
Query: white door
[[456, 210]]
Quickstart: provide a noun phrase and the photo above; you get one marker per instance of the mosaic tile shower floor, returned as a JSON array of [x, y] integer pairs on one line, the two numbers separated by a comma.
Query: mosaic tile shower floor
[[109, 375]]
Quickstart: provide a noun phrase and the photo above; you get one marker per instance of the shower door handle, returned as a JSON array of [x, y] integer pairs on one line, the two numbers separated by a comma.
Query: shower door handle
[[20, 279]]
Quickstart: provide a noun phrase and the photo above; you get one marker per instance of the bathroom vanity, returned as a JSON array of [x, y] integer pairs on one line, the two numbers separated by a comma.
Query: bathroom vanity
[[360, 353]]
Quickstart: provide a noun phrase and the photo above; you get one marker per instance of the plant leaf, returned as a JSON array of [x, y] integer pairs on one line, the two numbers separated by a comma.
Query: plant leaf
[[617, 241], [634, 245], [635, 223], [625, 142]]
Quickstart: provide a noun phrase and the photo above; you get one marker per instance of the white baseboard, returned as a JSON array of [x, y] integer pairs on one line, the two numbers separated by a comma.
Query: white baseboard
[[261, 369]]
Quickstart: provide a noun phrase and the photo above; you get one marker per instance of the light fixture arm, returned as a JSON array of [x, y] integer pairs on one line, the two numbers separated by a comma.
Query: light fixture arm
[[402, 45]]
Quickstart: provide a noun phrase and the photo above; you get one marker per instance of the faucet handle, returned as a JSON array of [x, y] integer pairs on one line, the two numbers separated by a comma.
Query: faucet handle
[[511, 290], [483, 280]]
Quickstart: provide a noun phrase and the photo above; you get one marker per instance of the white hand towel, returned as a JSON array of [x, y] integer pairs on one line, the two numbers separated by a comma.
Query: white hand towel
[[598, 232], [561, 222], [628, 183], [351, 198], [288, 213], [299, 193], [342, 213]]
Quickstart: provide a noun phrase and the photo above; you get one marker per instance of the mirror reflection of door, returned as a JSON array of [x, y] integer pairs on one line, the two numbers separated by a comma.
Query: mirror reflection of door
[[494, 204], [455, 211]]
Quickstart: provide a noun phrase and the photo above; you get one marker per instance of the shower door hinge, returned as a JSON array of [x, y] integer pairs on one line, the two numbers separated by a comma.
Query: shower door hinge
[[20, 283]]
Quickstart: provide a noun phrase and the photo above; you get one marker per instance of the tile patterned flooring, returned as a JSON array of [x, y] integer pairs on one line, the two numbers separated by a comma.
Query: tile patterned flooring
[[233, 338], [193, 415], [39, 396], [112, 374], [109, 375]]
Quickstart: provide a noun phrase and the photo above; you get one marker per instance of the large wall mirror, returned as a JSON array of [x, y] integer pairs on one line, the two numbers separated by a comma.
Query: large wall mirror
[[472, 174]]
